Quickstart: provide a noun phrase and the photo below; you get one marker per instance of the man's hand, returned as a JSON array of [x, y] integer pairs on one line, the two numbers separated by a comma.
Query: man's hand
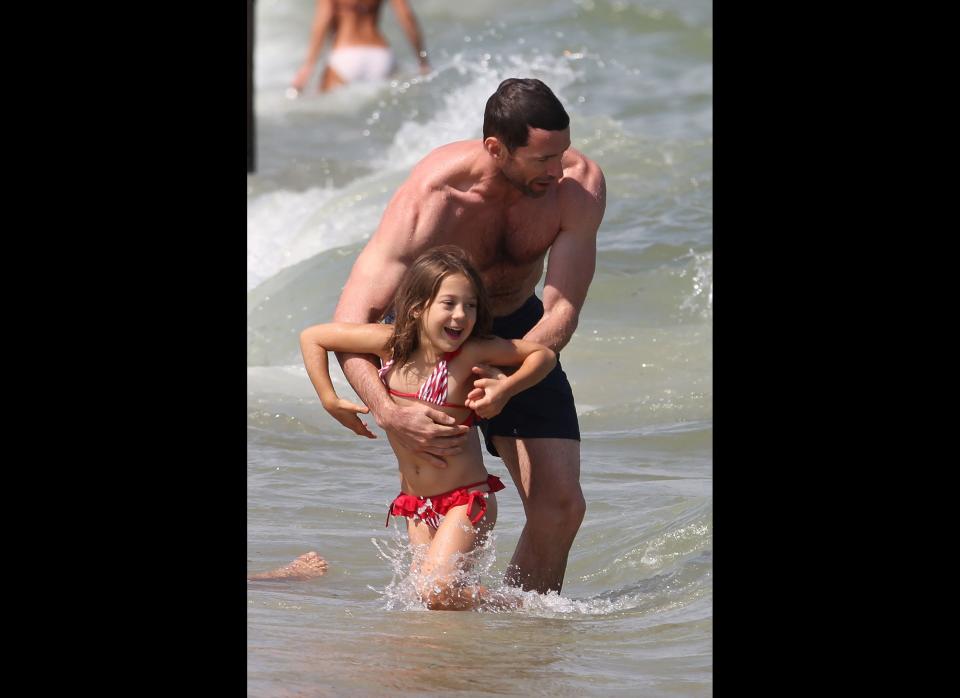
[[487, 398], [346, 413], [426, 431]]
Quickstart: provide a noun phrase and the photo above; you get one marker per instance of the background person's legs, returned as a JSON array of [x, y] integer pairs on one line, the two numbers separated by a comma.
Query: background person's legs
[[330, 79]]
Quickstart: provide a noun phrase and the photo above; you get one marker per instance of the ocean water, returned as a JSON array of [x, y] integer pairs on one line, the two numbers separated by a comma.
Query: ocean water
[[635, 613]]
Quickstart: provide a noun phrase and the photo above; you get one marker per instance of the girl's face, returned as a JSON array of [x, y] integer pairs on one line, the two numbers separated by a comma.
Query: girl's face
[[450, 317]]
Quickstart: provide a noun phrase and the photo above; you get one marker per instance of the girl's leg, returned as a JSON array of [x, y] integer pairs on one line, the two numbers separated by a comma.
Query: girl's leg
[[420, 536], [441, 575]]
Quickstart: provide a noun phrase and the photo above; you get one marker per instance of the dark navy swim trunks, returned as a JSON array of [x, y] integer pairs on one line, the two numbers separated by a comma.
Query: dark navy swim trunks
[[544, 411]]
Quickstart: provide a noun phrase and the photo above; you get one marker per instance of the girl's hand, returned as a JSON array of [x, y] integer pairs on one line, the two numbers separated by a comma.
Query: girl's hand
[[346, 413], [482, 371], [488, 396]]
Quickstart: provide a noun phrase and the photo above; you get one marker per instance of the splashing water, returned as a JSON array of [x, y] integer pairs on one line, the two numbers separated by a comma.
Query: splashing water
[[403, 593], [700, 299], [659, 593]]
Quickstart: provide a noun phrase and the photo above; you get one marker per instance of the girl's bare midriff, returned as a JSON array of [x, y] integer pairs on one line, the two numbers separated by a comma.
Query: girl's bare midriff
[[420, 478]]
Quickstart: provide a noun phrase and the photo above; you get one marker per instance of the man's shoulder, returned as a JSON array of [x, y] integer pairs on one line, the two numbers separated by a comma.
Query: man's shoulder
[[582, 178], [580, 168], [582, 193], [442, 168], [445, 160]]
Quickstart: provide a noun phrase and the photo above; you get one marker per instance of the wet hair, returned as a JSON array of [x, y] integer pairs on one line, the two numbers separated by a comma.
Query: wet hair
[[418, 289], [518, 105]]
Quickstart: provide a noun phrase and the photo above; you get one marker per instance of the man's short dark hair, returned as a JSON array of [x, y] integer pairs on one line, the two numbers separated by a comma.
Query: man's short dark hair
[[520, 103]]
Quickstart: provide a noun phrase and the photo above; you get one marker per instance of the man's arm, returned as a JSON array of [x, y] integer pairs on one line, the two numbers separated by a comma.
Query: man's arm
[[573, 257], [374, 278], [403, 232]]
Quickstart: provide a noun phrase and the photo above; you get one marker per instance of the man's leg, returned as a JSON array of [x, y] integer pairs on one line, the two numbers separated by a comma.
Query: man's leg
[[547, 475]]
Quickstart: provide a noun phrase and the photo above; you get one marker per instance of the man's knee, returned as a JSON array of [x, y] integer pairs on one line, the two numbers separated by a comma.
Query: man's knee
[[558, 511]]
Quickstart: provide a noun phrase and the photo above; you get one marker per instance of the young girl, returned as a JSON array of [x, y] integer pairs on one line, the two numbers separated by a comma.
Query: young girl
[[439, 334]]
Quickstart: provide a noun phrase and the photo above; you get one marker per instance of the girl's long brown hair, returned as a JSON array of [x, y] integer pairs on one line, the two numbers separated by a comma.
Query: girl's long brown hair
[[418, 289]]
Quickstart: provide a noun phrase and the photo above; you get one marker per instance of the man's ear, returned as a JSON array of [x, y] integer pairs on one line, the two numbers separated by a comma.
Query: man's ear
[[494, 147]]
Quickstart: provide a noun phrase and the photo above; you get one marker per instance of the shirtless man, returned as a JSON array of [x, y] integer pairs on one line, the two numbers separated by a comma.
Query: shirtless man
[[506, 200], [360, 51]]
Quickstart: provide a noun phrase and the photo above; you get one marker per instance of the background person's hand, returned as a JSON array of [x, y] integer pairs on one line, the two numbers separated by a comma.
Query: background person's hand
[[301, 78]]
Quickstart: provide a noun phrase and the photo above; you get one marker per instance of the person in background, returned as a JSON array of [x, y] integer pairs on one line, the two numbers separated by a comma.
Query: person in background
[[359, 51]]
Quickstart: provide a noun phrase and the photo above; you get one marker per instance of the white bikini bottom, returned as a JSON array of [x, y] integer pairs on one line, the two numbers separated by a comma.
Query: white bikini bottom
[[353, 63]]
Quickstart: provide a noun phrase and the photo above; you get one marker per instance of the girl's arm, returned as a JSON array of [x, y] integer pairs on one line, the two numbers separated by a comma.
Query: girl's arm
[[535, 361], [317, 340]]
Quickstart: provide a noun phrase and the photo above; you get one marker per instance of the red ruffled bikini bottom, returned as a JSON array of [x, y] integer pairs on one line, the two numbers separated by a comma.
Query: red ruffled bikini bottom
[[431, 509]]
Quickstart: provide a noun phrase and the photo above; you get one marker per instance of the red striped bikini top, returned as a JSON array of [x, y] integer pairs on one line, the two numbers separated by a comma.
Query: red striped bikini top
[[434, 389]]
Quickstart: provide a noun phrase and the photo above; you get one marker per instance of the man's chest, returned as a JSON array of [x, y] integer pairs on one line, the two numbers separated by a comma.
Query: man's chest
[[516, 236]]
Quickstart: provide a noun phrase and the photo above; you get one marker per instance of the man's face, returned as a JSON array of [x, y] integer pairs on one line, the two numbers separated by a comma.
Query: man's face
[[535, 167]]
